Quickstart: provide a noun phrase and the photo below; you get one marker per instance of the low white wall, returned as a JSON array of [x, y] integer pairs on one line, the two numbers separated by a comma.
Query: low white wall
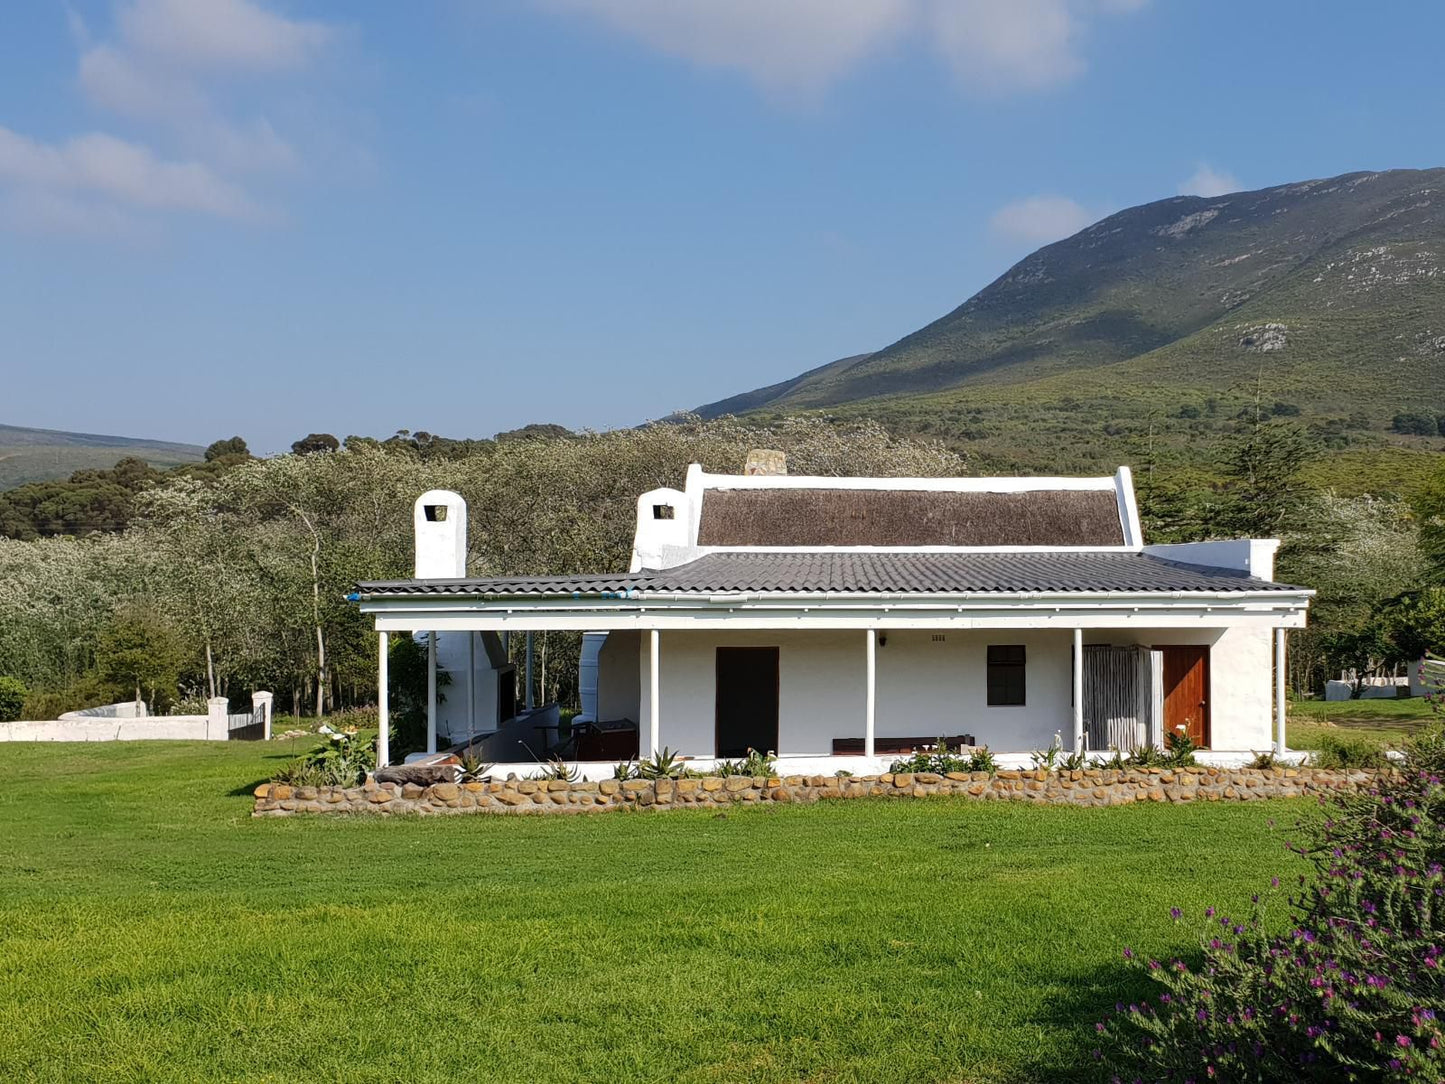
[[129, 709], [181, 727], [931, 688]]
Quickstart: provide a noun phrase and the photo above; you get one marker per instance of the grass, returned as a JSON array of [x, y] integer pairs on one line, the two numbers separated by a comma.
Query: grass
[[151, 930], [1314, 723]]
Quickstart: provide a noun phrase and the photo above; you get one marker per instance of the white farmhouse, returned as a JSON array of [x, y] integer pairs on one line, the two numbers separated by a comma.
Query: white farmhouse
[[839, 621]]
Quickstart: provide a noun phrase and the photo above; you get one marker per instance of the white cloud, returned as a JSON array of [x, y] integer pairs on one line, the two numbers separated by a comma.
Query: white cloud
[[800, 46], [1040, 220], [173, 74], [1010, 45], [1208, 181], [220, 33], [126, 172]]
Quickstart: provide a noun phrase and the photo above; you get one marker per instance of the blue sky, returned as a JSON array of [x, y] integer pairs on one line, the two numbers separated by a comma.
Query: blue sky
[[269, 217]]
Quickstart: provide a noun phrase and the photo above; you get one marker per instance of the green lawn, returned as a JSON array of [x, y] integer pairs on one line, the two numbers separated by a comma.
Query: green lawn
[[1387, 721], [151, 930]]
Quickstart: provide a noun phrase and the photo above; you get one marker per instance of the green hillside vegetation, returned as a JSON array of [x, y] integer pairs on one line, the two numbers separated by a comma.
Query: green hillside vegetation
[[1145, 337], [39, 455]]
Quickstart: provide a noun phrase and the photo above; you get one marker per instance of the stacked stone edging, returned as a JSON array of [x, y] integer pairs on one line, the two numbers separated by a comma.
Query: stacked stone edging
[[1090, 787]]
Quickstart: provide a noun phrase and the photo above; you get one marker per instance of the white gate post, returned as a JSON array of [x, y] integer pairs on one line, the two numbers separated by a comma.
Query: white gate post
[[261, 701], [217, 725]]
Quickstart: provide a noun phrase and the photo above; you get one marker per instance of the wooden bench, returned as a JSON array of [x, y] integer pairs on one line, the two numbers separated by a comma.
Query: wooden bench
[[853, 747]]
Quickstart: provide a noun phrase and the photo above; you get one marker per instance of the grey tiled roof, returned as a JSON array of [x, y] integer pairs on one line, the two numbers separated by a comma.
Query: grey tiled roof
[[866, 573]]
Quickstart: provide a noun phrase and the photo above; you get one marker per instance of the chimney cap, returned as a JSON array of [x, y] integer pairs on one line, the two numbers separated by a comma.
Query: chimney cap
[[766, 461]]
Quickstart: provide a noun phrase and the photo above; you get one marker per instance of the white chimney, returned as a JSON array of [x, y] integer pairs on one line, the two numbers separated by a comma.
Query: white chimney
[[440, 519]]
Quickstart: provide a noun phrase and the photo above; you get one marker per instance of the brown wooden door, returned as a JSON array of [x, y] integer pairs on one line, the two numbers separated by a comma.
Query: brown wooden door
[[1186, 692], [747, 700]]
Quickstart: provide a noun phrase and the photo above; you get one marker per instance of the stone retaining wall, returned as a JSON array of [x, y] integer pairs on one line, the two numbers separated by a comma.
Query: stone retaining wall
[[1094, 787]]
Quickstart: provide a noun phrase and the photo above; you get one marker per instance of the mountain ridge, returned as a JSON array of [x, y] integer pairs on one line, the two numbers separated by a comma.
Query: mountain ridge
[[40, 455], [1168, 307]]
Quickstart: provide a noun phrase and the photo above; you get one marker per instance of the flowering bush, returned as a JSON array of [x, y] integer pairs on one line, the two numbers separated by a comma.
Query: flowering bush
[[1352, 991], [939, 759]]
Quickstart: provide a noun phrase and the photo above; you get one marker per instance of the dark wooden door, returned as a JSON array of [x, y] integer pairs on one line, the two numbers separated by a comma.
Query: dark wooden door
[[747, 700], [1186, 692]]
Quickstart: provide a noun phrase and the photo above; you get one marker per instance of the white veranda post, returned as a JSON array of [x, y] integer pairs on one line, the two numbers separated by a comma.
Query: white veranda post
[[431, 692], [654, 686], [1280, 674], [383, 706], [529, 701], [471, 686], [870, 708], [1078, 690]]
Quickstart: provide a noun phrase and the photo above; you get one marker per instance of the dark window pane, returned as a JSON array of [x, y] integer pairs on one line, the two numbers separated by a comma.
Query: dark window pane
[[1005, 675]]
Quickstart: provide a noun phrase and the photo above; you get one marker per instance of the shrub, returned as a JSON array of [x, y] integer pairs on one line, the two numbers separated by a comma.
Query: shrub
[[342, 761], [1348, 751], [1179, 750], [1264, 761], [12, 698], [663, 765], [1415, 423], [1048, 759], [1351, 991], [754, 764], [558, 769], [940, 760]]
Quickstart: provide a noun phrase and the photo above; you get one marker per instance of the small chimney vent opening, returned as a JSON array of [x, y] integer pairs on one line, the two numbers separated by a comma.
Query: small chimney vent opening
[[664, 511], [436, 513]]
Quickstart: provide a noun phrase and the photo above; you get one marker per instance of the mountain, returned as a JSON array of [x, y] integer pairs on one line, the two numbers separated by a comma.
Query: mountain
[[37, 455], [1162, 322]]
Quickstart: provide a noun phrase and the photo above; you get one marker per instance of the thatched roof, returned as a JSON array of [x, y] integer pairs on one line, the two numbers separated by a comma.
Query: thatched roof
[[902, 517]]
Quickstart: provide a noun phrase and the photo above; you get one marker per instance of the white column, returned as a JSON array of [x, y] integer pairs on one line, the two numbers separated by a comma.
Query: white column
[[431, 692], [529, 701], [383, 707], [1280, 674], [471, 685], [263, 702], [654, 687], [870, 697], [1078, 690]]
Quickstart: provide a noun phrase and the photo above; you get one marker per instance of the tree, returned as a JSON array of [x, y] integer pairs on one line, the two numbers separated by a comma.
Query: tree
[[140, 650], [1262, 465], [1415, 623], [1429, 506], [313, 443], [221, 448], [1415, 423], [12, 698]]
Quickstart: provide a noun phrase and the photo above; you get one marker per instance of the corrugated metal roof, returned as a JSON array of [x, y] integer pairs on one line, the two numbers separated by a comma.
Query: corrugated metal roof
[[866, 573]]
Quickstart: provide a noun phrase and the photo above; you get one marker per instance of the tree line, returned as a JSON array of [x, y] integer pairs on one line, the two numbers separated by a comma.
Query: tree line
[[232, 575]]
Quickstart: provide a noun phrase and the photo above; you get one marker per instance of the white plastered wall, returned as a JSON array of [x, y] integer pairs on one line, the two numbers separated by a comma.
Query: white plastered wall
[[939, 688], [820, 687], [619, 677], [929, 688]]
